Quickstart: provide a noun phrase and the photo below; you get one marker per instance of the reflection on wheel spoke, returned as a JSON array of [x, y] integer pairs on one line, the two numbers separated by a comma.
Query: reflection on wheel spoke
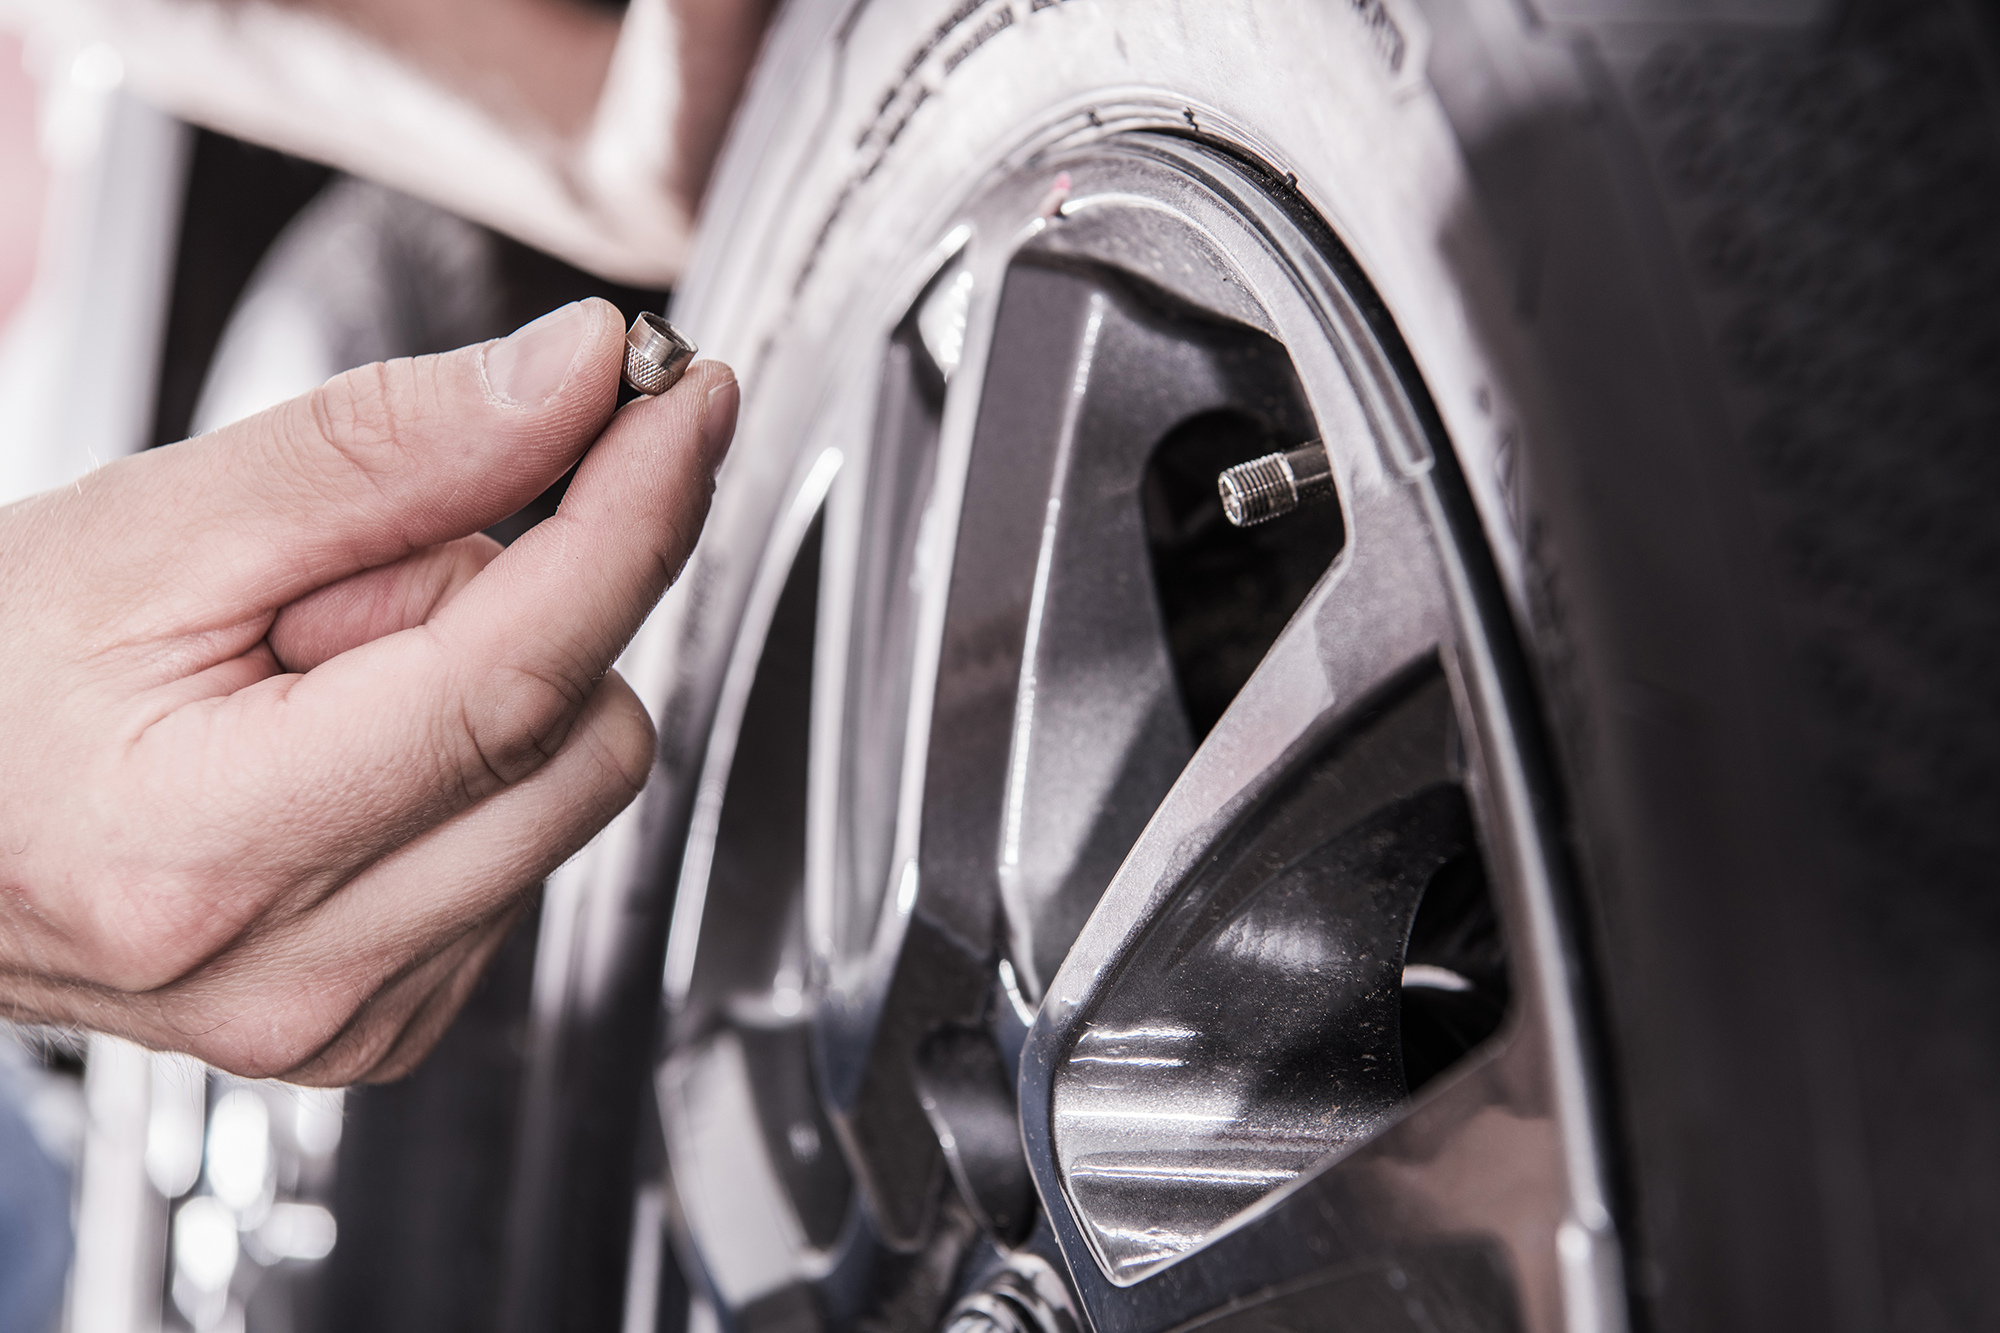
[[1254, 1029]]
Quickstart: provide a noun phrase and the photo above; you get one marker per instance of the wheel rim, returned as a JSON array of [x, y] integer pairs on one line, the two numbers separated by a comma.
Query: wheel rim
[[1030, 668]]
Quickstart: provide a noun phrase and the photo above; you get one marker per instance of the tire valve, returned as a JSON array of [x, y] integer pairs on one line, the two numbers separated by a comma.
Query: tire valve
[[1276, 484], [656, 354]]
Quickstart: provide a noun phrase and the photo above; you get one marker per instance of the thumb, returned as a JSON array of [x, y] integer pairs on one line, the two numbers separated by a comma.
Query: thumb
[[379, 462]]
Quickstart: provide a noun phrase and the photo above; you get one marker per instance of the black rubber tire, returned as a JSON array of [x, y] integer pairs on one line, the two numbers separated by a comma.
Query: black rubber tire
[[1759, 274]]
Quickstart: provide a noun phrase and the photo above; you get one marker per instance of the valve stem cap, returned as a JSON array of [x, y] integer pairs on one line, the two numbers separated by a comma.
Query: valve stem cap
[[1274, 485], [656, 354]]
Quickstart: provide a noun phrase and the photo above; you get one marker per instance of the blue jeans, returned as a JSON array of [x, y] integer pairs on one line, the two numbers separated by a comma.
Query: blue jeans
[[35, 1241]]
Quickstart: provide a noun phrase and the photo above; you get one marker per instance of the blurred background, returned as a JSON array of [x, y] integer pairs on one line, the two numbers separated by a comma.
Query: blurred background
[[161, 275]]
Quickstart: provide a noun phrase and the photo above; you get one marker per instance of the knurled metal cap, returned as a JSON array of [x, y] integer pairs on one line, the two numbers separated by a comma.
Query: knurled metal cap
[[656, 354]]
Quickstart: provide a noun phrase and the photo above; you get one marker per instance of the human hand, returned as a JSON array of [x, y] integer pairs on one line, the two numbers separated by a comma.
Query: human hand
[[284, 743]]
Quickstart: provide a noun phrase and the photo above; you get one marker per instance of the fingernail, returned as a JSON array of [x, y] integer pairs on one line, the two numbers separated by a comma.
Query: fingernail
[[718, 421], [531, 364]]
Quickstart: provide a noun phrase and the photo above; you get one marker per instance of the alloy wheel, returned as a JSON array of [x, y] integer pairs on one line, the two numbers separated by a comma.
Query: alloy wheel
[[1090, 898]]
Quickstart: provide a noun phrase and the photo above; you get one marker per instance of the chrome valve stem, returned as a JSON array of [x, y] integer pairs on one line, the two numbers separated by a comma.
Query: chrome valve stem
[[1276, 484]]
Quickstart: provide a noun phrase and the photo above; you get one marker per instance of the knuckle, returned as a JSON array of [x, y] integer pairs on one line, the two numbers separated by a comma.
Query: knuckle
[[313, 1034], [369, 1049], [395, 1059], [287, 1037], [341, 1064], [162, 930], [363, 418], [526, 718]]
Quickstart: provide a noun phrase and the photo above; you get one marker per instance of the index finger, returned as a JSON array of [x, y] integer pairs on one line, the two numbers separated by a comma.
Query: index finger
[[381, 742], [540, 626]]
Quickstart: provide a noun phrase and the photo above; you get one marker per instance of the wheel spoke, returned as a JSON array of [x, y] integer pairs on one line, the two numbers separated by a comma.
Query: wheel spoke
[[1216, 1093], [1257, 927], [1459, 1198]]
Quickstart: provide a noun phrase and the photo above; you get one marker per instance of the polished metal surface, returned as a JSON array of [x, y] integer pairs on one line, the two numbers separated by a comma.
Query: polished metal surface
[[1274, 485], [1258, 1031], [656, 354]]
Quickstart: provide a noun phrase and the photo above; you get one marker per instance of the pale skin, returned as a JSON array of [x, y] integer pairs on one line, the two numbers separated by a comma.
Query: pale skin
[[313, 741]]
